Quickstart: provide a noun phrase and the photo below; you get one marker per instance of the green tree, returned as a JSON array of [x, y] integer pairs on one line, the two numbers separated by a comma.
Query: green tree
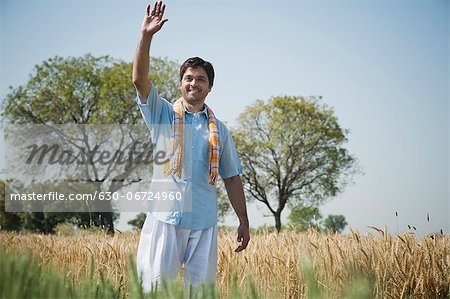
[[292, 150], [223, 203], [138, 221], [8, 221], [335, 223], [87, 90], [303, 217], [41, 222]]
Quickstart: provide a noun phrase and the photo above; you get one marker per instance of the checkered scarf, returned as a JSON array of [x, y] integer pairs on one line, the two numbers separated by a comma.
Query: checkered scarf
[[174, 164]]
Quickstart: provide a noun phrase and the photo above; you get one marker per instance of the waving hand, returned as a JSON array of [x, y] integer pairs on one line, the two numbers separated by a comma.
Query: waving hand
[[153, 20]]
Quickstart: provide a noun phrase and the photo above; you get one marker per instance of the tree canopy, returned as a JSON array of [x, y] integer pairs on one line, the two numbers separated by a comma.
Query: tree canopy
[[83, 91], [293, 152], [303, 217]]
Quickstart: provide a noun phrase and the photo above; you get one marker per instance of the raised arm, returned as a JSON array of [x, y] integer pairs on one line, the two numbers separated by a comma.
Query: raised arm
[[152, 23]]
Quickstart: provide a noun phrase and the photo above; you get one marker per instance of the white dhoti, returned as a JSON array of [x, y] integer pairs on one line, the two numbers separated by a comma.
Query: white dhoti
[[164, 248]]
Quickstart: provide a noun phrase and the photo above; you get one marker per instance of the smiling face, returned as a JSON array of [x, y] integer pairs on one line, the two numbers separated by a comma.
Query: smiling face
[[195, 85]]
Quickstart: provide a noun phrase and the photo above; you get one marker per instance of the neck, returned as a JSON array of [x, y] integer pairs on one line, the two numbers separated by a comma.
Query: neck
[[193, 107]]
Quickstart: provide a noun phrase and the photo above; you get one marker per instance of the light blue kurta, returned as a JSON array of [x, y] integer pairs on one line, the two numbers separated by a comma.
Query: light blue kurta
[[201, 210]]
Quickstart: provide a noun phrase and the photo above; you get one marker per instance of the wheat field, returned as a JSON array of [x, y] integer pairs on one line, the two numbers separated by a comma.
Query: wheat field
[[285, 265]]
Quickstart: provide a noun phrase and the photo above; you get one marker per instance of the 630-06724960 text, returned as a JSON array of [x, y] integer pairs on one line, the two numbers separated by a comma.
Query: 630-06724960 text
[[102, 195]]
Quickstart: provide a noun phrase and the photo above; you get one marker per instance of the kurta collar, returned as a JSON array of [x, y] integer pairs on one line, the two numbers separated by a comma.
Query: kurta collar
[[204, 110]]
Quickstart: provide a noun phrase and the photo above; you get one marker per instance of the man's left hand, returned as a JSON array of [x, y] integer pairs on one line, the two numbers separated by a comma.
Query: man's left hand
[[243, 236]]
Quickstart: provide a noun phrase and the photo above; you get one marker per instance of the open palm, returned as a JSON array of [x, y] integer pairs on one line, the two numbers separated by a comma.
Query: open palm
[[153, 21]]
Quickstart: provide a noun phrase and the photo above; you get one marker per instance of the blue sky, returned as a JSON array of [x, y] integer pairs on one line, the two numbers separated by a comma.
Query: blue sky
[[382, 65]]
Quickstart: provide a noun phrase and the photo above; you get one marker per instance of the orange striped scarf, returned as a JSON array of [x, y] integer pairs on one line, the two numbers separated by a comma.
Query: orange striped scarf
[[174, 164]]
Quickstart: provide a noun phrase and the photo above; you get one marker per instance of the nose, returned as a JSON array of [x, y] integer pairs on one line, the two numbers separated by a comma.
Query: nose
[[193, 85]]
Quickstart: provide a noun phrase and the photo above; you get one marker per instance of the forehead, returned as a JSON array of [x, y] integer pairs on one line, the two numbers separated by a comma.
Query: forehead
[[195, 72]]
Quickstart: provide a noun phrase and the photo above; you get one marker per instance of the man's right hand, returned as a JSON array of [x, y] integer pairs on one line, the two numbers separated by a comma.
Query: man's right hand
[[153, 20]]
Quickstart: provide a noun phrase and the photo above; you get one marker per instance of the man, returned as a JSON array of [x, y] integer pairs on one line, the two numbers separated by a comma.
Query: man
[[186, 238]]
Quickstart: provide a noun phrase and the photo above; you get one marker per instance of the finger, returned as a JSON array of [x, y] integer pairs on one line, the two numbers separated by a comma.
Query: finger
[[148, 10], [245, 242], [163, 21], [162, 10], [159, 7], [239, 238], [243, 246], [239, 249], [154, 8]]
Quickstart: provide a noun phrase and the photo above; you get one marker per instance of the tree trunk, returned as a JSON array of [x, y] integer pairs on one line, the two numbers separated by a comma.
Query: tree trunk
[[108, 220], [105, 210], [277, 221]]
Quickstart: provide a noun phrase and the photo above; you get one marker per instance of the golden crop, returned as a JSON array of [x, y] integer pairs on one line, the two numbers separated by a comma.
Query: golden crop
[[285, 265]]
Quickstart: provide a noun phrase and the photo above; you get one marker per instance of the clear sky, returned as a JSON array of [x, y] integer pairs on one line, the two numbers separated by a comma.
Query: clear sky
[[382, 65]]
